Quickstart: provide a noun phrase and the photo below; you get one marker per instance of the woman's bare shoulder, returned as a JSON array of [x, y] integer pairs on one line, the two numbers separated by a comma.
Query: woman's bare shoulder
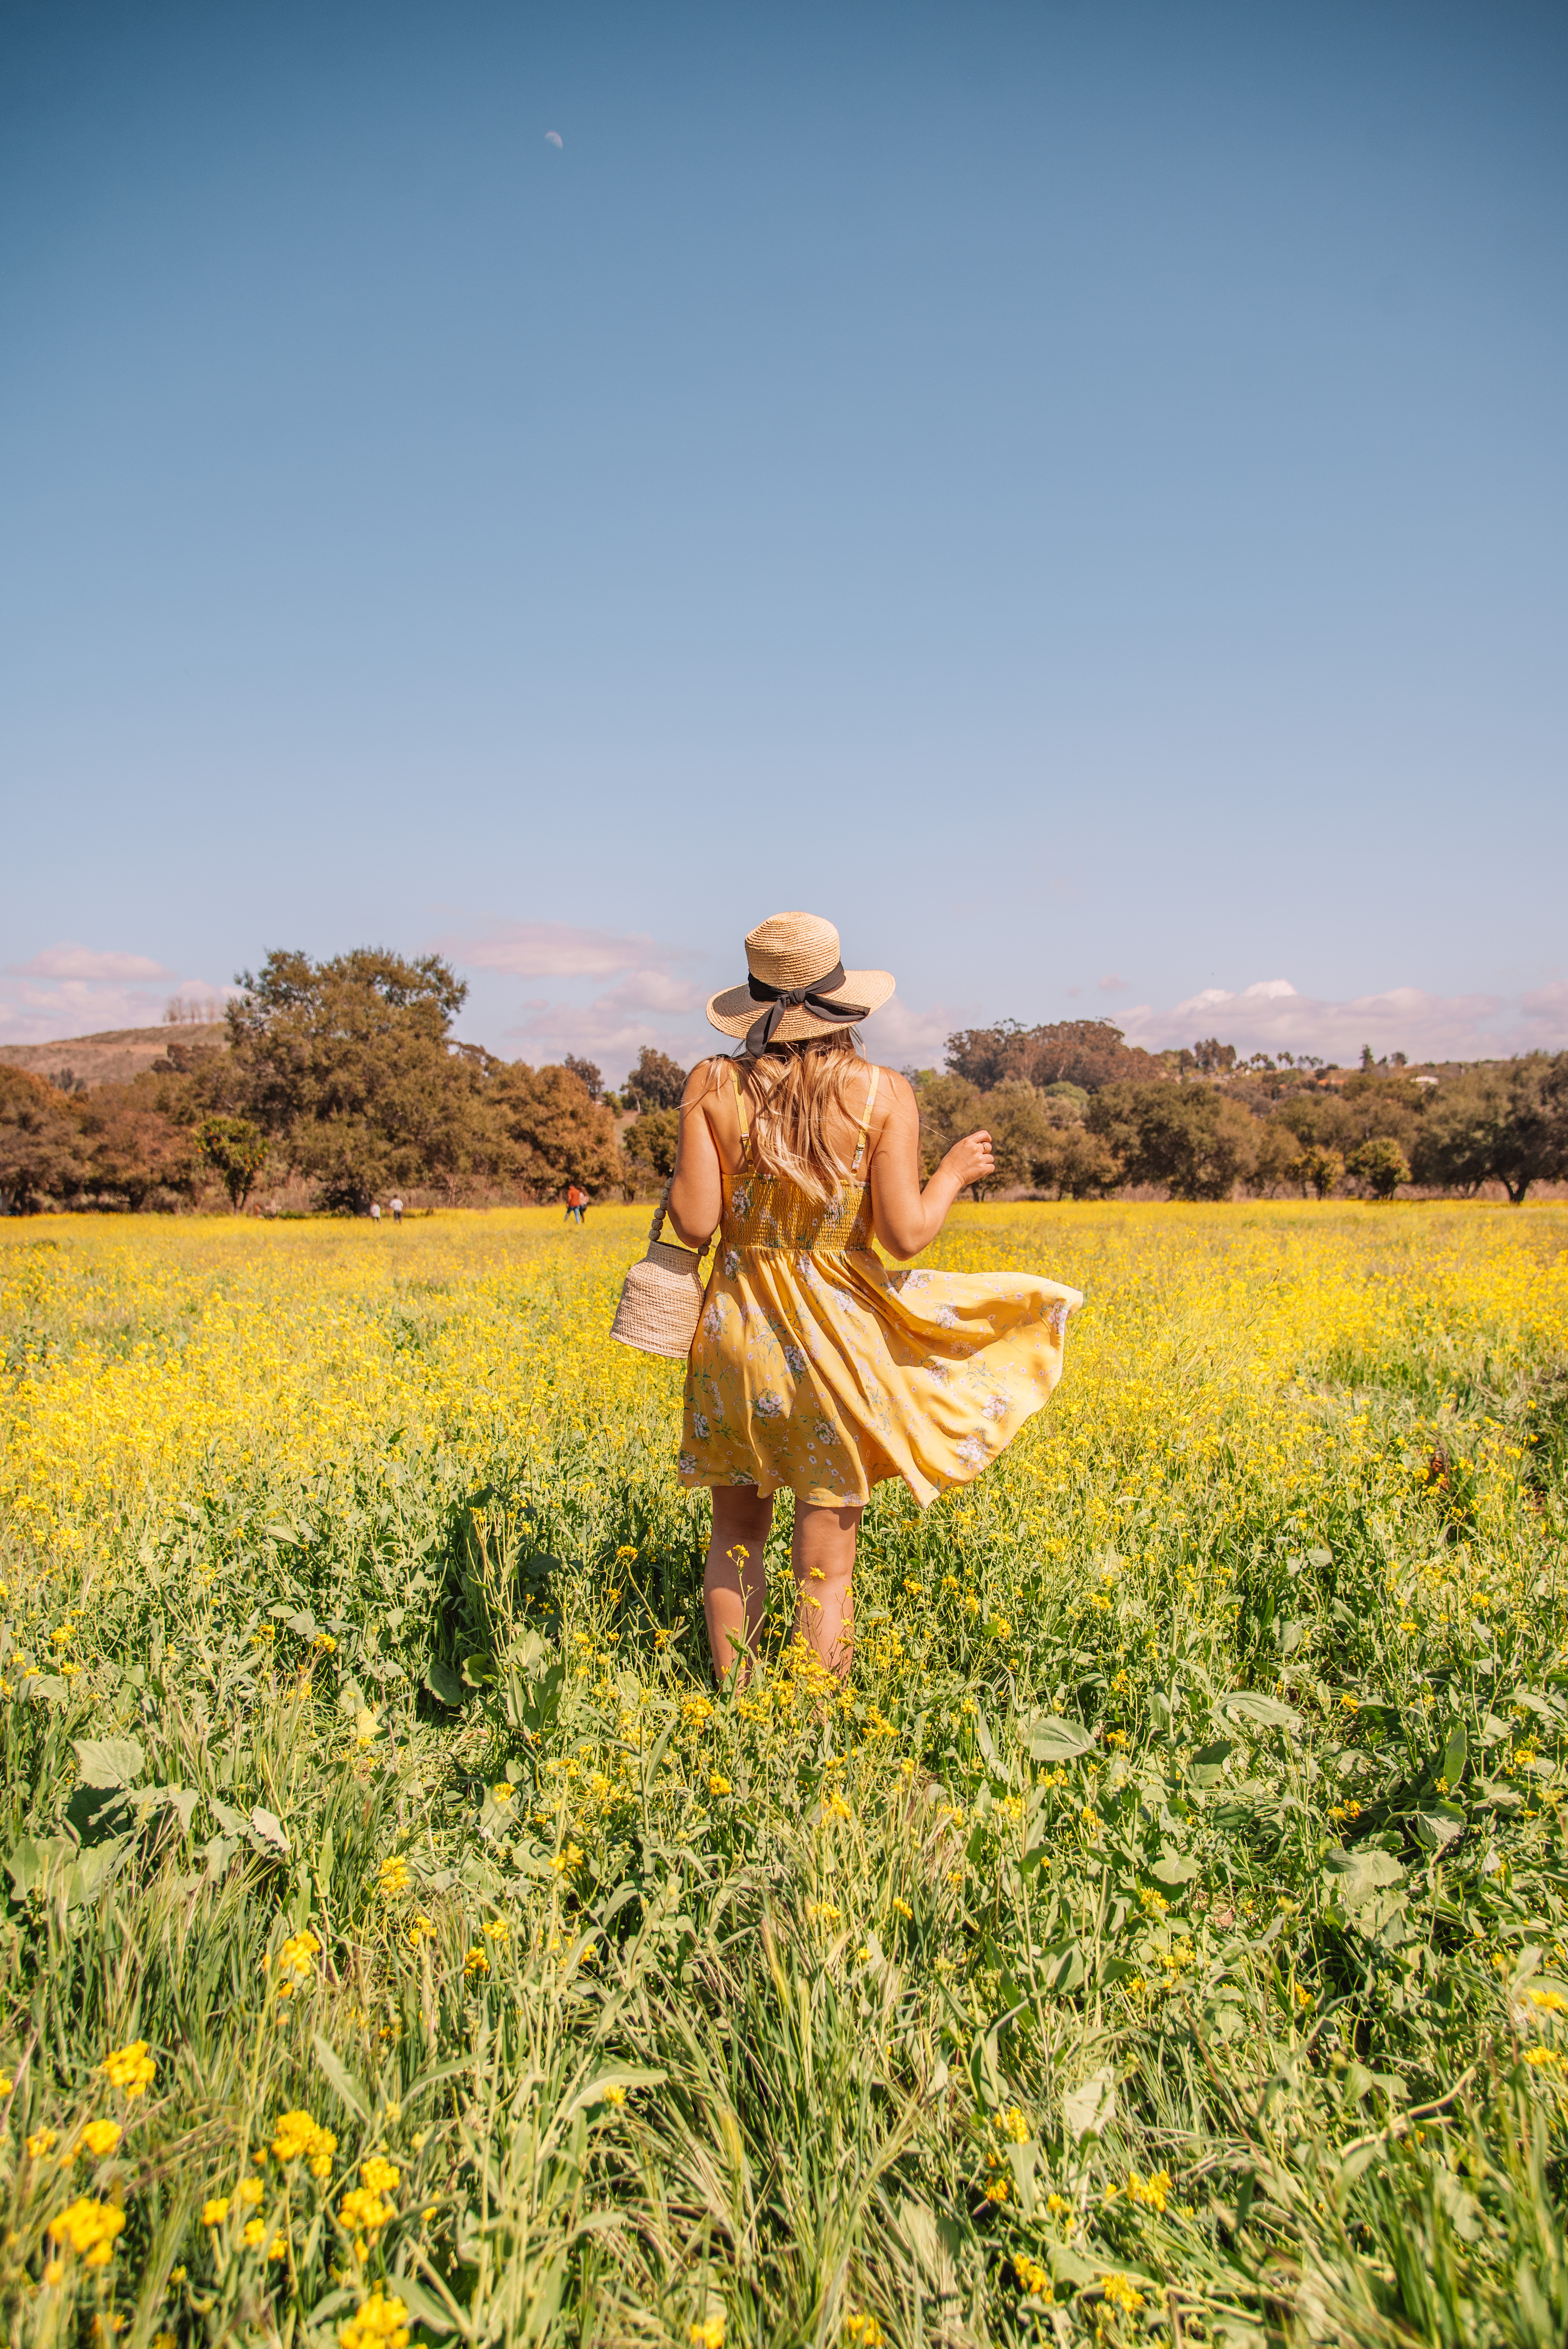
[[894, 1091], [707, 1078]]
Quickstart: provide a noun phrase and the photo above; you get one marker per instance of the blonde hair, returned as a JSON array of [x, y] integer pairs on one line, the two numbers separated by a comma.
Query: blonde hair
[[794, 1089]]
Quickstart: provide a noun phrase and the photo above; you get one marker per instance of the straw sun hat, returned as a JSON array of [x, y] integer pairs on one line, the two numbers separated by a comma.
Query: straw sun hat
[[798, 986]]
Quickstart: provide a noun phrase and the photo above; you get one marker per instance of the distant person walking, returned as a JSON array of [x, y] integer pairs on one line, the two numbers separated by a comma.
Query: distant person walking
[[397, 1206], [576, 1200], [375, 1211]]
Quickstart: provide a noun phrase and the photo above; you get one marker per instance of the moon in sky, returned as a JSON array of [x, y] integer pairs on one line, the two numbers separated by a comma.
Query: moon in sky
[[553, 138]]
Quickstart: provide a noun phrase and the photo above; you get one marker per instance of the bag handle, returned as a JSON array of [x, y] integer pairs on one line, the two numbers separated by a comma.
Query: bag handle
[[660, 1212]]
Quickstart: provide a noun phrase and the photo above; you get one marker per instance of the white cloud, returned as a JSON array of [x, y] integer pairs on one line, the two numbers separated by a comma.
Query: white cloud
[[67, 961], [1112, 984], [69, 991], [557, 950], [1271, 1016], [905, 1038]]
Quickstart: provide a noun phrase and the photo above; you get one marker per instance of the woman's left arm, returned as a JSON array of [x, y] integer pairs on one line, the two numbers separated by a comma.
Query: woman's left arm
[[696, 1192]]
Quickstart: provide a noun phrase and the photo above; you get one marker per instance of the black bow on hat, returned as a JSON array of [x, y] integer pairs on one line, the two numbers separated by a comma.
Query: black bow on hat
[[779, 999]]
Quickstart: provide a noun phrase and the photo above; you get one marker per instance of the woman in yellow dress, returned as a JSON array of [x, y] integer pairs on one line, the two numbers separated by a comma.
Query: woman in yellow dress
[[814, 1365]]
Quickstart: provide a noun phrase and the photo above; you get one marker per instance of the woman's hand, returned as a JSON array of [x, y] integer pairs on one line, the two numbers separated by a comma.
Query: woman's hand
[[907, 1217], [973, 1160]]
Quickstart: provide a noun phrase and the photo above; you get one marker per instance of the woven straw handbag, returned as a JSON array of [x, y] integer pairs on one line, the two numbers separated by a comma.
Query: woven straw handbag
[[661, 1295]]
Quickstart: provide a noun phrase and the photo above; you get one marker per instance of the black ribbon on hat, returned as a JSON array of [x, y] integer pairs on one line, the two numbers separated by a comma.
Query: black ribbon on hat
[[781, 999]]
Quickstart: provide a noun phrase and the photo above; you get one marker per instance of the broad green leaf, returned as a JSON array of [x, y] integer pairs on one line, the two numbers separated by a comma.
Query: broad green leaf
[[267, 1832], [1062, 1968], [1355, 1876], [444, 1683], [1174, 1867], [1051, 1740], [1090, 2110], [1440, 1824], [1456, 1753], [1251, 1704], [108, 1761]]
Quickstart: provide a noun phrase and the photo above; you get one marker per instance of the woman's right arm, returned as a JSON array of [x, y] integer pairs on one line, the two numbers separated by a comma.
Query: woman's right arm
[[697, 1191], [904, 1218]]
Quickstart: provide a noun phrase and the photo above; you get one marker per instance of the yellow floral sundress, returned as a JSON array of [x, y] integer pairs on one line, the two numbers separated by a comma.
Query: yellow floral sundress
[[815, 1366]]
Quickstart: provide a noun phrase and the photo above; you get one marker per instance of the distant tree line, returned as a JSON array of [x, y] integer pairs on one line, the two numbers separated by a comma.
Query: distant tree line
[[341, 1083], [1077, 1113], [343, 1079]]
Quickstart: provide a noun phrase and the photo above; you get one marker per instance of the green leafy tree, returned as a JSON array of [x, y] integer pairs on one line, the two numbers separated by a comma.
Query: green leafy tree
[[1077, 1165], [136, 1157], [236, 1151], [1089, 1053], [1320, 1170], [555, 1135], [43, 1160], [588, 1075], [1506, 1124], [1318, 1118], [1188, 1136], [650, 1143], [348, 1065], [1381, 1165], [656, 1082]]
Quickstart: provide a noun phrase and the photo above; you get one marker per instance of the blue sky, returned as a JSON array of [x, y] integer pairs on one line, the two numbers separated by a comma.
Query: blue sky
[[1074, 493]]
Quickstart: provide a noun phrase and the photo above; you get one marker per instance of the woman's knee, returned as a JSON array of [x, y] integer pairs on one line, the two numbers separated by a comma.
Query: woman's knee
[[741, 1514]]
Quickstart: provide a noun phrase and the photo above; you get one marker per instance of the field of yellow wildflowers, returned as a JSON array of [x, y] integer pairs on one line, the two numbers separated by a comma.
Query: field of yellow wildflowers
[[1162, 1936]]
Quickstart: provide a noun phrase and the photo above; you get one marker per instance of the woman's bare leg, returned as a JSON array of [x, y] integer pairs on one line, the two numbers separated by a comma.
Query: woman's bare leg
[[735, 1587], [823, 1556]]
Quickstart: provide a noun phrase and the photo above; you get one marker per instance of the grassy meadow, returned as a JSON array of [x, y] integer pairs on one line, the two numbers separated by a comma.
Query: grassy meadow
[[1162, 1936]]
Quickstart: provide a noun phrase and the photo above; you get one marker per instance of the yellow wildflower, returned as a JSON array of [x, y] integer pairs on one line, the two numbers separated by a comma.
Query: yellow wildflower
[[295, 1961], [297, 2134], [214, 2211], [364, 2210], [89, 2229], [100, 2138], [130, 2069], [382, 2322]]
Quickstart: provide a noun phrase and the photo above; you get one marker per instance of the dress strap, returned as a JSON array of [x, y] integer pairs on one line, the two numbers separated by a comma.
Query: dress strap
[[863, 1135], [740, 1109]]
